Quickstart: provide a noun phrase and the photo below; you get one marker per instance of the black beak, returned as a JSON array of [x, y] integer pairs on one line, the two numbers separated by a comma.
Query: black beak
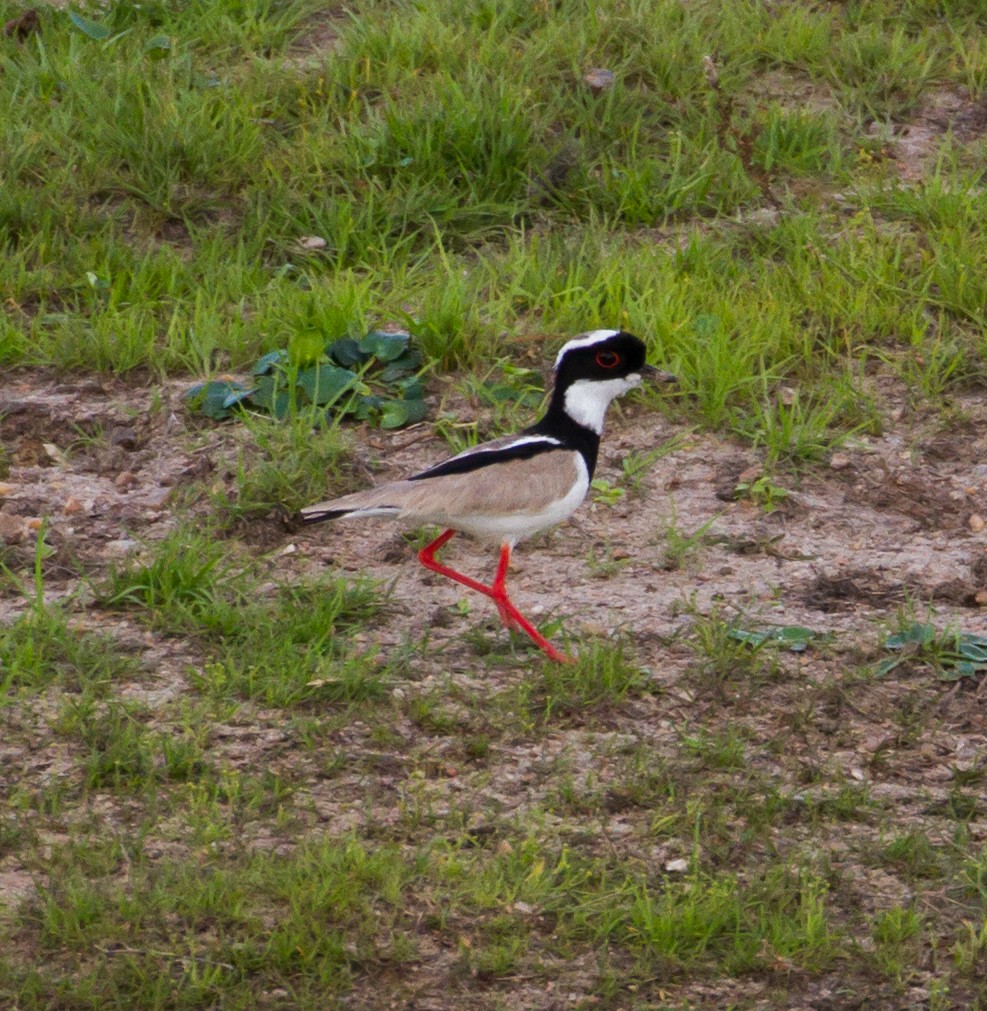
[[657, 375]]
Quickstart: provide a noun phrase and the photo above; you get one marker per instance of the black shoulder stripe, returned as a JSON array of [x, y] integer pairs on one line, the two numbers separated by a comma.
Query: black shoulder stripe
[[488, 457]]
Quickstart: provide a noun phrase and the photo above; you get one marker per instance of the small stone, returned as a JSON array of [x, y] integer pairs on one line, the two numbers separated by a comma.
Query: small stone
[[976, 523], [13, 529], [124, 481], [312, 242], [121, 547], [839, 461], [72, 506], [711, 72], [599, 79], [123, 435], [159, 498], [34, 523], [677, 866], [980, 598], [5, 489], [594, 628], [23, 25]]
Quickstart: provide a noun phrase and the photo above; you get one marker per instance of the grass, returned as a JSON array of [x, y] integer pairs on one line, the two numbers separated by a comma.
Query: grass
[[41, 647], [289, 648], [472, 203], [228, 780]]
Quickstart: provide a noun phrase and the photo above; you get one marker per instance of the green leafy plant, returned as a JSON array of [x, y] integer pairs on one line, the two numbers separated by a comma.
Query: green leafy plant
[[954, 655], [764, 492], [605, 492], [375, 380], [796, 638]]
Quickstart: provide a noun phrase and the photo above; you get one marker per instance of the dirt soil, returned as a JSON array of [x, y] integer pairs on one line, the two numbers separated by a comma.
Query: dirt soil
[[890, 522], [893, 519]]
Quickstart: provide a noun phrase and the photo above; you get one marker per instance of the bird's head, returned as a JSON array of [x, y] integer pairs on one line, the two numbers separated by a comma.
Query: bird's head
[[592, 369]]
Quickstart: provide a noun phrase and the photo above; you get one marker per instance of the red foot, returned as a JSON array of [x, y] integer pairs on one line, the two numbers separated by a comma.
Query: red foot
[[509, 614]]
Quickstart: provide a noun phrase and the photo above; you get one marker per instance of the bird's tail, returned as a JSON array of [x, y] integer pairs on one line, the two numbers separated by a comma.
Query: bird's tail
[[318, 514], [385, 500]]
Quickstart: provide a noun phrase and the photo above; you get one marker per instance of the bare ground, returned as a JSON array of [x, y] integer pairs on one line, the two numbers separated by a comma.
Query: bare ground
[[892, 522]]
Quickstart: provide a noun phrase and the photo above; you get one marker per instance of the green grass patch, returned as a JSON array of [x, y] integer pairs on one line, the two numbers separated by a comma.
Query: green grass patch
[[44, 647], [601, 676], [289, 645], [253, 189], [249, 814]]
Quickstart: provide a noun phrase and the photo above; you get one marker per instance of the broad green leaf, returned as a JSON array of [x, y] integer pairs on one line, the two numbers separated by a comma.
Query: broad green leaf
[[365, 407], [391, 396], [886, 666], [236, 396], [396, 413], [972, 647], [324, 384], [272, 396], [917, 634], [706, 325], [214, 399], [158, 47], [91, 28], [385, 347], [408, 363], [963, 669], [345, 352], [795, 637], [281, 406], [265, 363], [411, 388], [269, 388]]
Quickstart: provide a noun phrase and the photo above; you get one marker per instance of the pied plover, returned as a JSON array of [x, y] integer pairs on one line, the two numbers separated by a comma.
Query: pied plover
[[509, 489]]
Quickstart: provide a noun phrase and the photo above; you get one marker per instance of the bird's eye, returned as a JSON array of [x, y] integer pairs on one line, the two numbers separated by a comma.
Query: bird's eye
[[607, 359]]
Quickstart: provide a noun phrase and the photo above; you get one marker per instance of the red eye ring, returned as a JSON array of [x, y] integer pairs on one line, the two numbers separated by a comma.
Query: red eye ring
[[607, 359]]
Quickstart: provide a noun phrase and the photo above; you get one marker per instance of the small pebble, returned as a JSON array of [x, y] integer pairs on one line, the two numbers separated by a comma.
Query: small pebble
[[599, 79], [121, 547]]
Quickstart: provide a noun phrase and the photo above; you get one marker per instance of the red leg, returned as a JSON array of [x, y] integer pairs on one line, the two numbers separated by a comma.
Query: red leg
[[509, 614], [427, 557], [500, 587]]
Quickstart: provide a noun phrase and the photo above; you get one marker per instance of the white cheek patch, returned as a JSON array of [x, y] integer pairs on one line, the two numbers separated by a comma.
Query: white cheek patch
[[587, 400]]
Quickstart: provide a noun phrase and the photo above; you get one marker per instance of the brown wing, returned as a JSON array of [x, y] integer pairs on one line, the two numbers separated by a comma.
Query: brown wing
[[513, 486]]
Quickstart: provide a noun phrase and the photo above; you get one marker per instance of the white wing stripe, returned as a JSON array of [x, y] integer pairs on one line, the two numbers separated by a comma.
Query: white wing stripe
[[594, 337], [486, 447]]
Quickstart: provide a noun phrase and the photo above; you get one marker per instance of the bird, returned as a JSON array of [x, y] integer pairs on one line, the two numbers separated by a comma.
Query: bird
[[506, 490]]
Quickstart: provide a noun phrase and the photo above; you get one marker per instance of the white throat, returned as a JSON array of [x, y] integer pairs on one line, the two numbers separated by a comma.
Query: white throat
[[587, 400]]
